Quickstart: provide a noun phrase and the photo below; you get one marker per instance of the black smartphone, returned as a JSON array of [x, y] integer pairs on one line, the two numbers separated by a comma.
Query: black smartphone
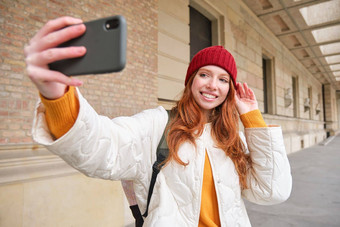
[[105, 42]]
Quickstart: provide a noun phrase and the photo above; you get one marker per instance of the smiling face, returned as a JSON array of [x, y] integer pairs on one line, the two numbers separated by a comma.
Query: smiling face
[[210, 87]]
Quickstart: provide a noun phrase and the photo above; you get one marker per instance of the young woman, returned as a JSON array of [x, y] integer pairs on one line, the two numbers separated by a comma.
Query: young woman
[[211, 166]]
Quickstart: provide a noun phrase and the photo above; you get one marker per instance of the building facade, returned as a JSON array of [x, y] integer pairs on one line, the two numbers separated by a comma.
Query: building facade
[[39, 189]]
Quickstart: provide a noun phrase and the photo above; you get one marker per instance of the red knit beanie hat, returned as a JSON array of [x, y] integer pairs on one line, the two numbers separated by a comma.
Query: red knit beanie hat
[[214, 55]]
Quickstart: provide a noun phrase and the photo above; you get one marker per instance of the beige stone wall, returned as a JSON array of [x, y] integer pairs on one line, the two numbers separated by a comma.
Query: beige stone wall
[[73, 200], [173, 47]]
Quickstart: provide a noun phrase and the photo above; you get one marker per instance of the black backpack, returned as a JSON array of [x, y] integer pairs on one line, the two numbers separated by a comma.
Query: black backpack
[[162, 154]]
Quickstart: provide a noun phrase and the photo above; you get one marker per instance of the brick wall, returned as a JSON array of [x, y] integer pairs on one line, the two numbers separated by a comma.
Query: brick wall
[[124, 93]]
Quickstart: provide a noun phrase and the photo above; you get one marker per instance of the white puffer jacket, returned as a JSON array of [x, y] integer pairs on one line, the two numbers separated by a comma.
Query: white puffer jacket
[[125, 148]]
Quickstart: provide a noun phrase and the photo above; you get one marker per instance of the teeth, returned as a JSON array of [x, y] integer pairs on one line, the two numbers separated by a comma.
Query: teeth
[[209, 96]]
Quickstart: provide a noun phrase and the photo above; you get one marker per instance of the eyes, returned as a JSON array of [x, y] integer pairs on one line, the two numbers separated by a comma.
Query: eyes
[[221, 78], [224, 80], [203, 75]]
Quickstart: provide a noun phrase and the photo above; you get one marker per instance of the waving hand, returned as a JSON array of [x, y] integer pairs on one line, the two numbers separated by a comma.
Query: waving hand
[[245, 99]]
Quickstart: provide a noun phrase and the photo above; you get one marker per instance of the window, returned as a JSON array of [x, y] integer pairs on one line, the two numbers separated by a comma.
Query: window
[[268, 85], [200, 32]]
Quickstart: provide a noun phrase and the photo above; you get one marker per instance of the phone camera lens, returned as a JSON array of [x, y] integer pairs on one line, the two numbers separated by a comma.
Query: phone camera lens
[[112, 24]]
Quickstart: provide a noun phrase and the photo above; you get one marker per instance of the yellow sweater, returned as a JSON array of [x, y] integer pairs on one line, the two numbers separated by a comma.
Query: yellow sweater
[[62, 113]]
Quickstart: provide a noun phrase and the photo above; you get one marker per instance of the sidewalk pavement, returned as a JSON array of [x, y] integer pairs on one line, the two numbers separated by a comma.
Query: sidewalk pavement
[[315, 197]]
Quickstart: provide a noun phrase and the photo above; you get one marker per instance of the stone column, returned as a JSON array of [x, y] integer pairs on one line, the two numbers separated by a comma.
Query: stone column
[[331, 110]]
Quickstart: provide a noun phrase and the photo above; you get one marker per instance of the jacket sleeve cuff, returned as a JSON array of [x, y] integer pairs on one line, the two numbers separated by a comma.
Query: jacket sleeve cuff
[[253, 119]]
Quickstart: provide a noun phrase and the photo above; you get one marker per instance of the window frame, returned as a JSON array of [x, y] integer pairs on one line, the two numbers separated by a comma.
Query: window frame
[[269, 83]]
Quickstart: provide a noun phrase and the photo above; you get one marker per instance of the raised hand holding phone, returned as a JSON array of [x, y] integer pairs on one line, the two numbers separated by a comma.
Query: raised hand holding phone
[[42, 51], [65, 46]]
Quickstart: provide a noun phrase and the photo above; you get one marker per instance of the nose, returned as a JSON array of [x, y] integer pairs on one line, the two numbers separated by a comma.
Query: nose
[[212, 84]]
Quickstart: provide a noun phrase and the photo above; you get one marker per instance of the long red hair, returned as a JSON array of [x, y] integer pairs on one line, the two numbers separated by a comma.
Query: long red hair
[[187, 124]]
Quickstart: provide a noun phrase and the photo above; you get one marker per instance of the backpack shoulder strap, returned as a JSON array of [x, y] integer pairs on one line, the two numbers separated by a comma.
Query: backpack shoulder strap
[[162, 154]]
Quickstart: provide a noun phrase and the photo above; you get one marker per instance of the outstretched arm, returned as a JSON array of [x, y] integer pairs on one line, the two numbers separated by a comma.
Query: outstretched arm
[[53, 85]]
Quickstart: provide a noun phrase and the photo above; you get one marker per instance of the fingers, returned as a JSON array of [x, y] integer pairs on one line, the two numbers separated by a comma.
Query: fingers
[[54, 54], [52, 34], [244, 91], [41, 75], [251, 94], [54, 25], [247, 90], [240, 90], [51, 84], [55, 38]]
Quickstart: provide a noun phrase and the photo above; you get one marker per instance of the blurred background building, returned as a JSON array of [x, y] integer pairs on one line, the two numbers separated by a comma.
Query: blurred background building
[[288, 51]]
